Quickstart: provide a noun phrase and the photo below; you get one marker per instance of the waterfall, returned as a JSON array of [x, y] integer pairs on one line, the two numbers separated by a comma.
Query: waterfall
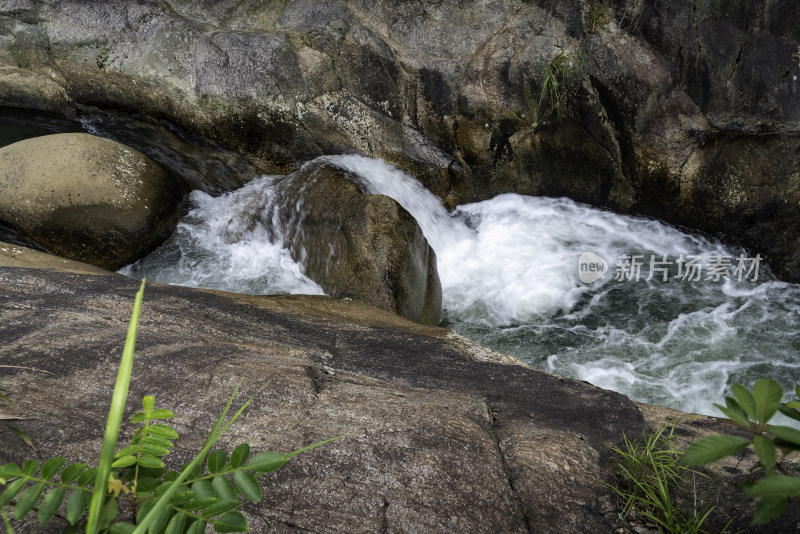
[[510, 280]]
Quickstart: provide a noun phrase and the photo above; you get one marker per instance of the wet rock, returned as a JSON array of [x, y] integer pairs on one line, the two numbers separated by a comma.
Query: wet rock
[[443, 436], [87, 198], [365, 247], [460, 96]]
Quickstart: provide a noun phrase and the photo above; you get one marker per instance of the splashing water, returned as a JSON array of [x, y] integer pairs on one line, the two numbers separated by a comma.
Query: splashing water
[[509, 272]]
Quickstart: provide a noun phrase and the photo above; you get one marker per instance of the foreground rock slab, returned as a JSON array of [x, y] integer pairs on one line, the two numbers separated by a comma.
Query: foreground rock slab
[[86, 198], [443, 435]]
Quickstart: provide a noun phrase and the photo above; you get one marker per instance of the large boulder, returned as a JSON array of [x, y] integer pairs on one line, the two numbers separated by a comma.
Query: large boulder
[[86, 198], [652, 94], [360, 246]]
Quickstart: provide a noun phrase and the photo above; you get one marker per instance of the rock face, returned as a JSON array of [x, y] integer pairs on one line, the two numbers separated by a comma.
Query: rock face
[[443, 435], [653, 100], [353, 245], [87, 198]]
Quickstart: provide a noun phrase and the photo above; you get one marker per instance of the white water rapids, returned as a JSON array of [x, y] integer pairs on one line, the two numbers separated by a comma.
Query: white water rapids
[[509, 272]]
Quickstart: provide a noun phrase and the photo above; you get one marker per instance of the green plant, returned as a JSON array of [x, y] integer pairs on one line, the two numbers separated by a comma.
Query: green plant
[[753, 410], [600, 15], [649, 472], [556, 75], [131, 491]]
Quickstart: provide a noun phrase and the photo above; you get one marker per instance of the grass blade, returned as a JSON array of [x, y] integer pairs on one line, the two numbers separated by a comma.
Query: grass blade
[[114, 419]]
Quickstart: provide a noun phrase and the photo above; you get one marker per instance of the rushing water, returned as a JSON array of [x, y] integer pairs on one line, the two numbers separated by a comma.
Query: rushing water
[[510, 280], [509, 272]]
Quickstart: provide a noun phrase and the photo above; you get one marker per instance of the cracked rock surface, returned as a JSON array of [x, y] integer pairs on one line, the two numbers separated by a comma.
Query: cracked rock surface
[[443, 436]]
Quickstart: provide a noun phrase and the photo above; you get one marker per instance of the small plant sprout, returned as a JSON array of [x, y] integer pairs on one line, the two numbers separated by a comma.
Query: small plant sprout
[[649, 471], [555, 77]]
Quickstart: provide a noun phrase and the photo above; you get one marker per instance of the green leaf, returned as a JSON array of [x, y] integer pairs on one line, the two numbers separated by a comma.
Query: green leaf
[[746, 401], [793, 404], [176, 524], [125, 461], [163, 431], [220, 507], [50, 504], [110, 513], [231, 522], [778, 485], [122, 528], [71, 472], [160, 519], [199, 503], [790, 412], [52, 466], [196, 470], [223, 489], [144, 509], [28, 500], [198, 527], [75, 506], [787, 433], [12, 490], [147, 460], [183, 496], [10, 470], [265, 462], [765, 449], [768, 508], [159, 442], [160, 413], [145, 484], [767, 394], [203, 488], [240, 455], [737, 416], [130, 450], [154, 450], [22, 435], [712, 448], [114, 419], [87, 476], [248, 486], [216, 461], [159, 491], [138, 417], [148, 403], [30, 467], [797, 390], [171, 476], [312, 446]]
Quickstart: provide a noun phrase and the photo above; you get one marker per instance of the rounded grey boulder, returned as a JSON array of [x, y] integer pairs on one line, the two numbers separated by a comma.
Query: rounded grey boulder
[[87, 198], [366, 247]]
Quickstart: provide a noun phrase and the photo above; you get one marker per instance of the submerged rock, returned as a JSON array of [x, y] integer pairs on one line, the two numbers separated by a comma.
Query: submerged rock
[[365, 247], [85, 198]]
